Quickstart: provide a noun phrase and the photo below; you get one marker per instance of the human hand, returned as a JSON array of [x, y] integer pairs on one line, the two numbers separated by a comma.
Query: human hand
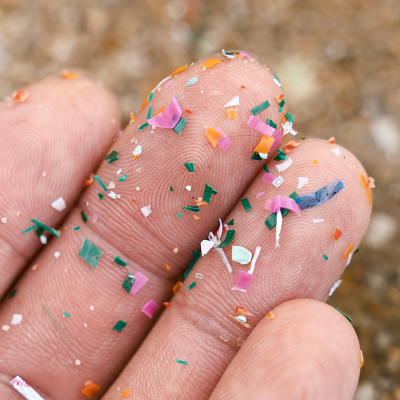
[[50, 144]]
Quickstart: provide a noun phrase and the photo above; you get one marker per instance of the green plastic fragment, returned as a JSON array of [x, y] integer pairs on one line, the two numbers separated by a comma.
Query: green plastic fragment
[[180, 125], [122, 178], [84, 217], [265, 168], [228, 238], [128, 282], [303, 138], [357, 250], [192, 285], [325, 257], [276, 77], [179, 96], [231, 222], [100, 183], [241, 255], [120, 262], [39, 231], [344, 314], [171, 188], [46, 228], [151, 96], [289, 116], [208, 192], [256, 156], [120, 325], [280, 109], [90, 253], [101, 196], [191, 265], [179, 215], [271, 123], [280, 156], [55, 323], [149, 112], [261, 107], [13, 293], [112, 160], [112, 155], [65, 314], [76, 228], [271, 220], [246, 204], [195, 209], [189, 166], [143, 126], [181, 362], [30, 229], [281, 103]]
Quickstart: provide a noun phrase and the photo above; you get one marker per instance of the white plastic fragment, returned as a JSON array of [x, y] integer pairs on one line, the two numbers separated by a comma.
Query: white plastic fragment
[[6, 328], [263, 155], [137, 151], [278, 228], [233, 102], [16, 319], [146, 211], [278, 181], [77, 362], [241, 318], [334, 287], [254, 260], [57, 254], [288, 128], [188, 188], [206, 246], [111, 185], [285, 165], [349, 259], [24, 389], [43, 239], [277, 83], [336, 151], [59, 204], [302, 182], [114, 195], [4, 220], [241, 255], [119, 171], [199, 276], [316, 221]]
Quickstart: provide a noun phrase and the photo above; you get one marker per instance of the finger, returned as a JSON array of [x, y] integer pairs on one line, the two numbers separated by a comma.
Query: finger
[[96, 299], [308, 351], [51, 142], [198, 328]]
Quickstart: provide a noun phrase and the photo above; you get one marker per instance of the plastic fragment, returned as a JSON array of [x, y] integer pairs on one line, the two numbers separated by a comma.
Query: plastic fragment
[[20, 95], [365, 184], [231, 222], [137, 151], [55, 323], [65, 314], [269, 178], [100, 182], [315, 162], [24, 389], [337, 233], [166, 304], [120, 325], [113, 195], [258, 195], [191, 81], [69, 75], [90, 253], [260, 126], [277, 81], [199, 276], [302, 182], [336, 151], [278, 181], [189, 166], [191, 208], [181, 362], [231, 113], [179, 215], [133, 118], [271, 220], [243, 311], [140, 281], [228, 239], [361, 359], [120, 262], [191, 265], [334, 287], [344, 314], [241, 320], [123, 178], [246, 204], [243, 281], [90, 390], [320, 196], [176, 287], [59, 204], [241, 255], [211, 62], [264, 145], [84, 217], [280, 202], [325, 257], [192, 285], [348, 251], [179, 70], [208, 192], [224, 142], [16, 319], [125, 393], [112, 155], [284, 166], [150, 308], [213, 136], [233, 102], [270, 315], [317, 221], [261, 107], [331, 140], [146, 211]]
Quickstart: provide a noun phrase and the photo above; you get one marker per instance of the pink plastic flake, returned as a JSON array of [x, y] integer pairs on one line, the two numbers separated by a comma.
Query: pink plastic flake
[[258, 195], [140, 281], [278, 139], [169, 117], [244, 55], [279, 202], [168, 84], [224, 142], [150, 308], [260, 126], [269, 178], [243, 281]]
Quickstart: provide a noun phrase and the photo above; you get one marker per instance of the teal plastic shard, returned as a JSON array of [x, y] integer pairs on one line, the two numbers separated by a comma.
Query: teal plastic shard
[[261, 107], [241, 255], [119, 261], [90, 253], [180, 125], [112, 155], [120, 325], [128, 282], [189, 166]]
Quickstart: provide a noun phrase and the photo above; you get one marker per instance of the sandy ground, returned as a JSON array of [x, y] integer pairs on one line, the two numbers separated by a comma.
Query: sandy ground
[[338, 60]]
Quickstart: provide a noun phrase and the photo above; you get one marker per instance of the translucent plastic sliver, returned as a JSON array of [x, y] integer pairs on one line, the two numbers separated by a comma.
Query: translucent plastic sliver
[[140, 281], [279, 202], [24, 389], [278, 135], [243, 281], [269, 178], [260, 126], [224, 142], [320, 196], [169, 117], [150, 308]]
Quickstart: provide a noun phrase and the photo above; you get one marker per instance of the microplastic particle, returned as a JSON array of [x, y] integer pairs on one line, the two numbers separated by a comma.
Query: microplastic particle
[[13, 293], [191, 81], [199, 276], [113, 160], [141, 127], [90, 253], [344, 314], [325, 257], [246, 204], [189, 166], [76, 228], [128, 282], [191, 265], [65, 314], [59, 204], [120, 325], [122, 178], [271, 220], [261, 107], [241, 255], [100, 182], [84, 217], [55, 323], [192, 285], [171, 189], [24, 389], [180, 125], [233, 102], [208, 192], [181, 362], [289, 116], [149, 112], [16, 319], [231, 222], [112, 155], [228, 239], [125, 393], [120, 262], [191, 208], [179, 215], [271, 123], [278, 181], [101, 196]]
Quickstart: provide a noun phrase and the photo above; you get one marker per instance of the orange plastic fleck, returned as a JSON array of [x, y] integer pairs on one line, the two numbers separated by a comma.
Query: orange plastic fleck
[[19, 214], [243, 311], [361, 359], [292, 144], [160, 110], [188, 111], [211, 62], [279, 98], [348, 251], [196, 217], [167, 267], [133, 118], [331, 140], [284, 120], [145, 101], [133, 200], [365, 183], [270, 315], [135, 157], [264, 145], [180, 69], [176, 287], [166, 304], [371, 182], [125, 393], [90, 389], [35, 267], [20, 95], [213, 136], [231, 113], [315, 162], [337, 234], [65, 74], [242, 87]]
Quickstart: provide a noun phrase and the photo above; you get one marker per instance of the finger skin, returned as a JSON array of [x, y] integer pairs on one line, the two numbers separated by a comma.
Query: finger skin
[[50, 144], [308, 351], [69, 284], [192, 327]]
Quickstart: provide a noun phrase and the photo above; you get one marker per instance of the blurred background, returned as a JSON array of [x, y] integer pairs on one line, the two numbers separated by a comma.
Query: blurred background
[[338, 60]]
